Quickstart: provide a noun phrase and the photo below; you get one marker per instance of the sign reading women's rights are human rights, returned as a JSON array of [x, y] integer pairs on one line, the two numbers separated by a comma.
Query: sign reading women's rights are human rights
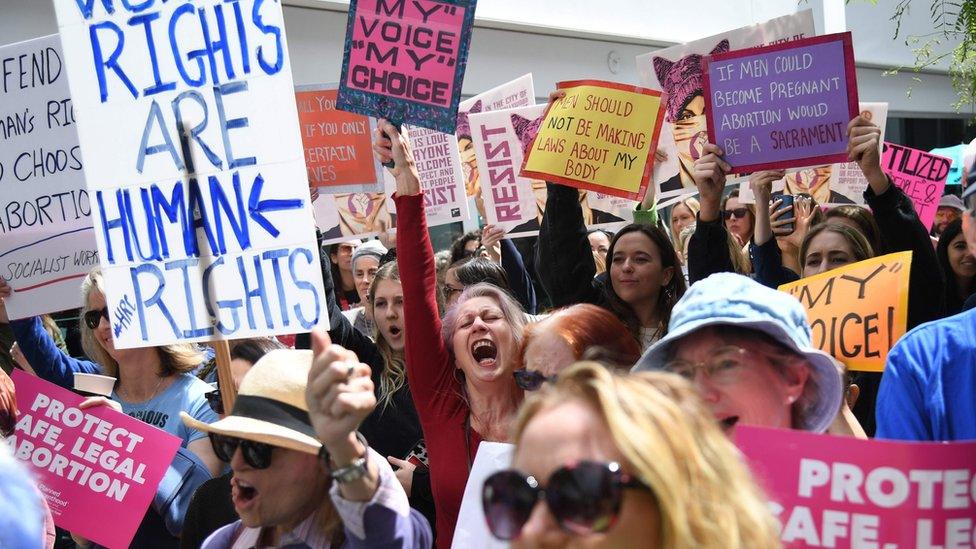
[[782, 106], [189, 131]]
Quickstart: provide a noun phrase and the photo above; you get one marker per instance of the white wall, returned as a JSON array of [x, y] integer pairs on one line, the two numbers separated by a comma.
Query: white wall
[[579, 37]]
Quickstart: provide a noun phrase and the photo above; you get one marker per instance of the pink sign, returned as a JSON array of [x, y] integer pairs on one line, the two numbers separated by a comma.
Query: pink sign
[[829, 491], [920, 174], [407, 50], [98, 469]]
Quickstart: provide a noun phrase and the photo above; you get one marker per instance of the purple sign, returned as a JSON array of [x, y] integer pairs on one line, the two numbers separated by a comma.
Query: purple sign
[[782, 106]]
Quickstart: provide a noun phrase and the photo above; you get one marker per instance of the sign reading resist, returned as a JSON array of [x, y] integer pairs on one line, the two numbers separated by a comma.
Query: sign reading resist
[[782, 106], [187, 119]]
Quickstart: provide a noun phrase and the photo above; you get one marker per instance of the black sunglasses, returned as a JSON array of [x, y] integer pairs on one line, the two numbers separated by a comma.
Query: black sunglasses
[[92, 318], [584, 498], [256, 454], [530, 380], [215, 401], [737, 213]]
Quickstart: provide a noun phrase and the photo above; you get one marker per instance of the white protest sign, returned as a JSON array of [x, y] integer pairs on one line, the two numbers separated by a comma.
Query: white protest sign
[[441, 178], [189, 127], [47, 244], [471, 531]]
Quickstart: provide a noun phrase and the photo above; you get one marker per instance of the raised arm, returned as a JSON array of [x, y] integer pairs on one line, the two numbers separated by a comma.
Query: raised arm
[[503, 251], [429, 367], [901, 229], [564, 260], [708, 250], [764, 252]]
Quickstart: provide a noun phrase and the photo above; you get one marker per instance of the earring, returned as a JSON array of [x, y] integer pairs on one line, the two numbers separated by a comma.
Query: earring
[[791, 399]]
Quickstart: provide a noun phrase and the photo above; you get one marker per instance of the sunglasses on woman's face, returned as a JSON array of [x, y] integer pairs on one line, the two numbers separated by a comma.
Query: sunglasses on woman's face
[[584, 498], [255, 454], [737, 213], [530, 380], [92, 318]]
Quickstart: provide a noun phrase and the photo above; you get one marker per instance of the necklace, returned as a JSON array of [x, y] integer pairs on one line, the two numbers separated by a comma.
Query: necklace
[[129, 400]]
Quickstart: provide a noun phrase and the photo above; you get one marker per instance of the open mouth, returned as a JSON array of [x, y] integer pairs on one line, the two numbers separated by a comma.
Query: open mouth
[[243, 493], [395, 331], [729, 422], [484, 352]]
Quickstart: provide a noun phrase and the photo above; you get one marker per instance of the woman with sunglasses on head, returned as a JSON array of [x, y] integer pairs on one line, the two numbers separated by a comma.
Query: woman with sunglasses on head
[[597, 464], [460, 369], [567, 336]]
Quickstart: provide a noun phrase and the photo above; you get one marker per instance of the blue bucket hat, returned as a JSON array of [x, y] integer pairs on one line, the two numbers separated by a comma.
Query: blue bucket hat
[[728, 299]]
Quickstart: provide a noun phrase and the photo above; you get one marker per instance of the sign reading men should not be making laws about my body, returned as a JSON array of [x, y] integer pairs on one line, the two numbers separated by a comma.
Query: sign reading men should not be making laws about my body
[[404, 60], [46, 239], [206, 232], [601, 137], [782, 106]]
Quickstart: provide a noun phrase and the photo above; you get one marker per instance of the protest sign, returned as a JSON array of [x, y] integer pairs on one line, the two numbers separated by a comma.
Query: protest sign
[[920, 174], [349, 216], [471, 531], [517, 93], [89, 464], [441, 178], [404, 61], [338, 144], [199, 191], [859, 311], [782, 106], [601, 137], [517, 203], [47, 244], [831, 491], [678, 71], [846, 178]]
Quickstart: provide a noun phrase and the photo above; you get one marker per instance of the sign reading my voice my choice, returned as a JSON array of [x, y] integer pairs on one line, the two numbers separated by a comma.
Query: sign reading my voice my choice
[[189, 130], [782, 106]]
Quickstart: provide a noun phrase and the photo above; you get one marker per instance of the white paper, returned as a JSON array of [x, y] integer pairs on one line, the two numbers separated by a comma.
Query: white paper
[[217, 242], [47, 244], [471, 531]]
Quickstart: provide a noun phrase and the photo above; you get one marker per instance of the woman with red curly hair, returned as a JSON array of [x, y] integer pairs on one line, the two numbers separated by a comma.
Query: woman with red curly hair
[[577, 332]]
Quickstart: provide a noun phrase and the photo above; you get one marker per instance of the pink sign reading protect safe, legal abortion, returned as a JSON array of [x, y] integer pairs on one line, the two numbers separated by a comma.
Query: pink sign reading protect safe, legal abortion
[[97, 468], [829, 491]]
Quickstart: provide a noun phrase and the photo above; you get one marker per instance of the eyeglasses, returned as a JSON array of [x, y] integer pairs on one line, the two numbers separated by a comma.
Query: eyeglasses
[[215, 401], [531, 380], [737, 213], [255, 454], [451, 290], [92, 318], [585, 498], [723, 368]]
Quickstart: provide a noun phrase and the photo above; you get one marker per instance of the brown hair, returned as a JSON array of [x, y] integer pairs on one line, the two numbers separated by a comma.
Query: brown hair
[[863, 218], [859, 244]]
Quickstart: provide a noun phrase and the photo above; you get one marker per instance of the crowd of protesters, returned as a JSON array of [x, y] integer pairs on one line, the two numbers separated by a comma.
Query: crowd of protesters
[[365, 436]]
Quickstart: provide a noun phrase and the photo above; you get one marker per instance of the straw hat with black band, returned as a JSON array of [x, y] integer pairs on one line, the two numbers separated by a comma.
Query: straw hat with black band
[[270, 406]]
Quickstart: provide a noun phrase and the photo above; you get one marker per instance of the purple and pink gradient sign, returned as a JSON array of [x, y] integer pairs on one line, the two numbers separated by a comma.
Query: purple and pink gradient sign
[[831, 491], [782, 106], [920, 174], [97, 468], [405, 61]]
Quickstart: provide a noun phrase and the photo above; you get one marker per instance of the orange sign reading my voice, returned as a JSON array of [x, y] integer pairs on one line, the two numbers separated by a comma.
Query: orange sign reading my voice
[[338, 149], [600, 137], [859, 311]]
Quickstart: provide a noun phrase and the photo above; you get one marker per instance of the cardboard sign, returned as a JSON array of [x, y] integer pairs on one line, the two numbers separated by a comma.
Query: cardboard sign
[[89, 464], [517, 203], [471, 531], [517, 93], [920, 174], [678, 72], [195, 164], [404, 61], [47, 244], [858, 312], [441, 178], [338, 145], [601, 136], [782, 106], [829, 491]]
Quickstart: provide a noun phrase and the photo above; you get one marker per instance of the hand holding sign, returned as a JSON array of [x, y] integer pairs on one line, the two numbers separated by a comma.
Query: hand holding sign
[[390, 146], [863, 146], [709, 173]]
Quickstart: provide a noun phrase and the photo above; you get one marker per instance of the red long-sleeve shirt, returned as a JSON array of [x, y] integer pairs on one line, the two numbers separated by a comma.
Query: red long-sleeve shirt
[[430, 369]]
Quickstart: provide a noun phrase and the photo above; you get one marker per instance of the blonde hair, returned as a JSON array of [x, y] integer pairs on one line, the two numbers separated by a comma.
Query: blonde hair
[[599, 263], [694, 207], [704, 493], [394, 374], [174, 359]]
